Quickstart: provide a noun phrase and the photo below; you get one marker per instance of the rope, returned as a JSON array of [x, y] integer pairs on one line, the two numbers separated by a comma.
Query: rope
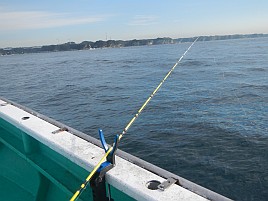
[[83, 186]]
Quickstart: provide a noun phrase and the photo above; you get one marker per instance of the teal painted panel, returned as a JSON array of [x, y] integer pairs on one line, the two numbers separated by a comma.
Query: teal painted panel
[[37, 172], [12, 192]]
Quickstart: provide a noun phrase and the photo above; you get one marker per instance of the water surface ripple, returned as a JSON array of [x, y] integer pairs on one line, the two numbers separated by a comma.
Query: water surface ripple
[[208, 123]]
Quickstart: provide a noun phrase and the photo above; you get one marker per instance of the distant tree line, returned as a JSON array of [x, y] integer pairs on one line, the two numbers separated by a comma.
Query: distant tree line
[[70, 46]]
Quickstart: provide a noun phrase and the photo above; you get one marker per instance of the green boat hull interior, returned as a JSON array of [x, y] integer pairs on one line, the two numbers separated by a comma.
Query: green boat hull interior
[[29, 170], [40, 164]]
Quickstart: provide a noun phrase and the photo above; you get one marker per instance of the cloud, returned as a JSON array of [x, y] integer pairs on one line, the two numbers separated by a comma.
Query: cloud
[[24, 20], [142, 20]]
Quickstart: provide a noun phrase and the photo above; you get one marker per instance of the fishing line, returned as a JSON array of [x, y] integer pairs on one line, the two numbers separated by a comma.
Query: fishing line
[[84, 185]]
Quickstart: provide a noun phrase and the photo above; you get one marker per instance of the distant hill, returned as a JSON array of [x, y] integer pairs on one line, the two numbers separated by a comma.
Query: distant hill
[[70, 46]]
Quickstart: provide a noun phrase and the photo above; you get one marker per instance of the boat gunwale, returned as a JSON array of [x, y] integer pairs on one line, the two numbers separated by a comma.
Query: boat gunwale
[[193, 187]]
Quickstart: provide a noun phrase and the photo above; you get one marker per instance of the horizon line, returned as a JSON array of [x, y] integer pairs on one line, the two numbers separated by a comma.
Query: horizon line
[[135, 39]]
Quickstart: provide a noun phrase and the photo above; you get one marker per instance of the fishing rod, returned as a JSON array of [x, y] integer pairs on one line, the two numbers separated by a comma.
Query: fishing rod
[[112, 149]]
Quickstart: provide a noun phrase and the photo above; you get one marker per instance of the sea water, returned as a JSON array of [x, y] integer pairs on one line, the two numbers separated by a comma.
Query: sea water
[[208, 123]]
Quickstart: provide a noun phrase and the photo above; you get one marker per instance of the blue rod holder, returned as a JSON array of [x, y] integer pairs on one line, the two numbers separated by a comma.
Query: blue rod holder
[[111, 157]]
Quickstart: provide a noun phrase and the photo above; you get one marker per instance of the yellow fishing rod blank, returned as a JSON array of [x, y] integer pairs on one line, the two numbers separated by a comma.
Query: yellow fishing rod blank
[[108, 151]]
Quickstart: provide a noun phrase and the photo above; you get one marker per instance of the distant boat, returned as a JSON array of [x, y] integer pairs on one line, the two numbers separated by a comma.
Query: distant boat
[[42, 159]]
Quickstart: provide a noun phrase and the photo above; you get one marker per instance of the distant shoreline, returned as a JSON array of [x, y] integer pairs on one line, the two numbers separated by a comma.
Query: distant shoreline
[[85, 45]]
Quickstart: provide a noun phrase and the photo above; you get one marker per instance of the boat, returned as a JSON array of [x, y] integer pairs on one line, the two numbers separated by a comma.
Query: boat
[[43, 159]]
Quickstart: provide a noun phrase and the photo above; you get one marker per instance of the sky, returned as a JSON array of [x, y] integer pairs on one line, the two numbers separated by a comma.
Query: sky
[[34, 23]]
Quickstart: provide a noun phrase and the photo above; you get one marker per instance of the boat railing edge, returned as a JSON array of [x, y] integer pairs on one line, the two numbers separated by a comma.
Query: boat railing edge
[[202, 191]]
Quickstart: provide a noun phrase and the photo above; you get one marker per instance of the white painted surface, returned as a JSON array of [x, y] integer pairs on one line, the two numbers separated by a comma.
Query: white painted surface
[[125, 176]]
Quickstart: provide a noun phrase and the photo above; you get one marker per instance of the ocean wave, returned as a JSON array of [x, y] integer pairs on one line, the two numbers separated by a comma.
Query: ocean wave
[[257, 69], [253, 86], [208, 123], [193, 63]]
